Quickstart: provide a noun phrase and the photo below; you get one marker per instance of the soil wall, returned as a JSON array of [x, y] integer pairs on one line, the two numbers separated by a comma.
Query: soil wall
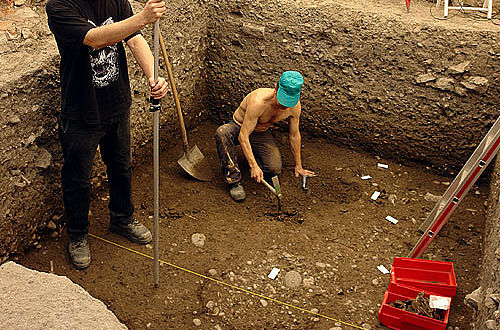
[[390, 85], [30, 156], [488, 316]]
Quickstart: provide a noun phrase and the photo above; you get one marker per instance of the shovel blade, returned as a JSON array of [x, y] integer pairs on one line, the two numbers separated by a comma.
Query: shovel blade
[[195, 164]]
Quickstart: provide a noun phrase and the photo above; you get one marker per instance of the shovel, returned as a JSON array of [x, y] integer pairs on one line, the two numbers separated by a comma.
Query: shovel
[[193, 161]]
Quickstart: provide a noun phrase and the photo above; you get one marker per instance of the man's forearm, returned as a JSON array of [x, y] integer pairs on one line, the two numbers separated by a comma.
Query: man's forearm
[[295, 141], [106, 35], [142, 53], [246, 147]]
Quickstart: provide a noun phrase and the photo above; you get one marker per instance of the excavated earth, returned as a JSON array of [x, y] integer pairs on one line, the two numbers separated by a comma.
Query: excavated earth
[[382, 86]]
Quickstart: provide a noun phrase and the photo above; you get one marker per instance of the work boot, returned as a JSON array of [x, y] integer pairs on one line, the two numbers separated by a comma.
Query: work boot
[[79, 252], [135, 231], [237, 192]]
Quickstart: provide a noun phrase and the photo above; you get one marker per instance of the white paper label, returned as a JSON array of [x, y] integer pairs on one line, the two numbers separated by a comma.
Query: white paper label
[[391, 219], [439, 302], [375, 195], [382, 165], [382, 269], [274, 272], [366, 177]]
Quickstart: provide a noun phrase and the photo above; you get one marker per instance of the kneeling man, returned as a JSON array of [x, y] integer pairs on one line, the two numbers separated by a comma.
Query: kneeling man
[[258, 111]]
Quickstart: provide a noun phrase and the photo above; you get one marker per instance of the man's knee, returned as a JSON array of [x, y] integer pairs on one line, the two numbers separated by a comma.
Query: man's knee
[[223, 132], [273, 163]]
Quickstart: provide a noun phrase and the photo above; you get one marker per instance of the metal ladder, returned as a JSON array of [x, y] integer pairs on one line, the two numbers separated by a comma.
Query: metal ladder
[[455, 193]]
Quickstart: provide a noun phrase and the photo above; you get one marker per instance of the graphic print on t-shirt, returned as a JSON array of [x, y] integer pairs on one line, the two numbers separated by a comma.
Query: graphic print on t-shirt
[[104, 62]]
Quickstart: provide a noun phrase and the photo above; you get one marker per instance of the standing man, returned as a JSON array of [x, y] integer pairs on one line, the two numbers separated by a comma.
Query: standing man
[[95, 96], [258, 111]]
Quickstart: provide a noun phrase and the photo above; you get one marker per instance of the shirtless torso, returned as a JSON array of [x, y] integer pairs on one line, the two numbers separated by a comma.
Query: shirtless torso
[[261, 102]]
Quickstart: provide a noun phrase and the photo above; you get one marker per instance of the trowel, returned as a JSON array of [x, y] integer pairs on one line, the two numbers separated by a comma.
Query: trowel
[[276, 190]]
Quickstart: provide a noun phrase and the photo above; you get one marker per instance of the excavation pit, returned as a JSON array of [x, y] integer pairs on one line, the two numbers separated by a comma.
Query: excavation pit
[[381, 87]]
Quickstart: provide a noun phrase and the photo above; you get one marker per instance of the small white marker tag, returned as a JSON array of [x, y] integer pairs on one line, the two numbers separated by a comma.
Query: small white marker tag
[[366, 177], [382, 165], [382, 269], [439, 302], [375, 195], [274, 272], [391, 219]]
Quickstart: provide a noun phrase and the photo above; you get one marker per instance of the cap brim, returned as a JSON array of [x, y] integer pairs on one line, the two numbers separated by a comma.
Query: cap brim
[[287, 100]]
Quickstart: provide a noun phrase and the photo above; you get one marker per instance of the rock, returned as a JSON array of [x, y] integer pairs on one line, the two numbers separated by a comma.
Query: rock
[[320, 265], [198, 239], [459, 68], [44, 159], [425, 78], [392, 198], [14, 119], [19, 3], [212, 272], [366, 326], [27, 34], [51, 225], [263, 302], [315, 310], [210, 304], [491, 324], [491, 301], [476, 84], [472, 299], [253, 30], [432, 198], [375, 281], [197, 322], [23, 290], [293, 279], [308, 282], [445, 84]]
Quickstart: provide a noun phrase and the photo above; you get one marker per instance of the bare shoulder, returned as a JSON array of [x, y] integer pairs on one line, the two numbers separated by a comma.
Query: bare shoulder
[[296, 110], [257, 98]]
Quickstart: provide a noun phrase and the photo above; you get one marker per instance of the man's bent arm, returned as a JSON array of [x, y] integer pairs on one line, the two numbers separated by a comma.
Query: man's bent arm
[[295, 139], [106, 35], [248, 126], [142, 53]]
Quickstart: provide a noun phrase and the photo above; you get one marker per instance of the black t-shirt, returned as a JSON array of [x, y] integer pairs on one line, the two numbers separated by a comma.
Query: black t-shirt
[[94, 82]]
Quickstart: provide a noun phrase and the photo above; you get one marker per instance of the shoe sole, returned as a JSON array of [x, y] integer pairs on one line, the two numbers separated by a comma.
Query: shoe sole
[[130, 237], [81, 266]]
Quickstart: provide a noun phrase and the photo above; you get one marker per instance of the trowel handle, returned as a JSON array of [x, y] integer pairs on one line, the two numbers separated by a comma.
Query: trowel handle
[[176, 96], [269, 186]]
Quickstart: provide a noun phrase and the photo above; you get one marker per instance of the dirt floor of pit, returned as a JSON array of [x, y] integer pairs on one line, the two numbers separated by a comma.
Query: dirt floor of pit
[[335, 237]]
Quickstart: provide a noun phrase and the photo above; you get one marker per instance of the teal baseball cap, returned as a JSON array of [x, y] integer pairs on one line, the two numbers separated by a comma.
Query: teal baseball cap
[[289, 88]]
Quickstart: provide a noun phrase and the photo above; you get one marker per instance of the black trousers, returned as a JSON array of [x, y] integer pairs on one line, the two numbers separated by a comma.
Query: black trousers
[[264, 148], [79, 143]]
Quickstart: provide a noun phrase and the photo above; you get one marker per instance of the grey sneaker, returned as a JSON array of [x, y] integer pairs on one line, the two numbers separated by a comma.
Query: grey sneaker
[[135, 231], [79, 252], [237, 192]]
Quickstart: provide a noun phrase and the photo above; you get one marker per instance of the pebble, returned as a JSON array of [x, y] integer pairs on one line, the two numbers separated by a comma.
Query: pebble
[[491, 324], [320, 265], [293, 279], [198, 239], [263, 302], [197, 322], [51, 225], [366, 326], [315, 310], [14, 119], [212, 272], [308, 282], [210, 304], [375, 281]]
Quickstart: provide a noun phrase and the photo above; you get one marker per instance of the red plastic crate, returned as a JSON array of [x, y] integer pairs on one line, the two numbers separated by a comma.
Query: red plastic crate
[[399, 319], [428, 275]]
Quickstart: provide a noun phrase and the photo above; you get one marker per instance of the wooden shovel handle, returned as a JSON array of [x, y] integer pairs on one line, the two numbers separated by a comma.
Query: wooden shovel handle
[[176, 96]]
